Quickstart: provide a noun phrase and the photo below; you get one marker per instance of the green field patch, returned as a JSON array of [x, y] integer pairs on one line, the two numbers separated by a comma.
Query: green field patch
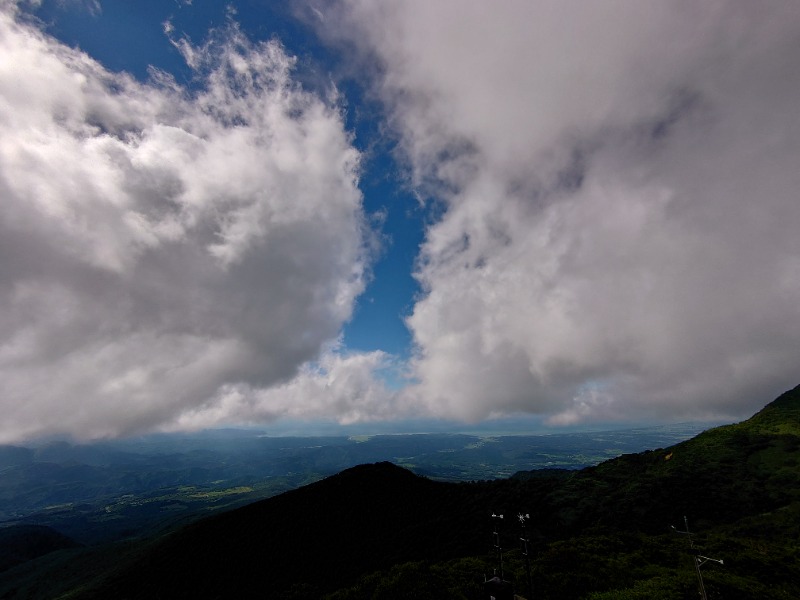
[[242, 489]]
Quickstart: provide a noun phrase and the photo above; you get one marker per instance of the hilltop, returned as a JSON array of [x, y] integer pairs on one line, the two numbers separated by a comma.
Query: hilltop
[[781, 416]]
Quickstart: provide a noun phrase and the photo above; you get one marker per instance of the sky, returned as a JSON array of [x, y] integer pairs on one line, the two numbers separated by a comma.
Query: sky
[[379, 214]]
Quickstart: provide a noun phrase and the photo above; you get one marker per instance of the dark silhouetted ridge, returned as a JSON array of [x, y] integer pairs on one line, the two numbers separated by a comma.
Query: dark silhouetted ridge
[[365, 518], [21, 543]]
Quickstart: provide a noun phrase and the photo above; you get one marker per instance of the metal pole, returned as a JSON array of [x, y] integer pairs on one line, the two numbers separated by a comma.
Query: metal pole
[[525, 540], [700, 578], [694, 559], [698, 559], [497, 544]]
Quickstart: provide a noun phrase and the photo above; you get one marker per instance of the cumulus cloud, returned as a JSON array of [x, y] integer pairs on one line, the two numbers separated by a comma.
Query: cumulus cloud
[[340, 385], [620, 182], [163, 246]]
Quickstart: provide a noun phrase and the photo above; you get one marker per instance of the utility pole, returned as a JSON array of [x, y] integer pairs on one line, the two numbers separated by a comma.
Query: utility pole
[[699, 559], [525, 540], [497, 545]]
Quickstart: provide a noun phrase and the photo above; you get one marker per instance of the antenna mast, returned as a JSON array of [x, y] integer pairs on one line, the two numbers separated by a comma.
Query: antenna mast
[[525, 540], [497, 545], [699, 559]]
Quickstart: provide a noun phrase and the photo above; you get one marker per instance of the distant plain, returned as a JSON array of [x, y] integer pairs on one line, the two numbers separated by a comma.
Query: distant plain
[[112, 490]]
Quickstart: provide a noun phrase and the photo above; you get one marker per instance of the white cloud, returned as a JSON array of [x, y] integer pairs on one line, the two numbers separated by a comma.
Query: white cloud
[[620, 239], [340, 386], [162, 245]]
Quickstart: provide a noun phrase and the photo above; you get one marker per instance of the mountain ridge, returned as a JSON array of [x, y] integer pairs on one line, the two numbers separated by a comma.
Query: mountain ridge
[[754, 462], [314, 540], [782, 415]]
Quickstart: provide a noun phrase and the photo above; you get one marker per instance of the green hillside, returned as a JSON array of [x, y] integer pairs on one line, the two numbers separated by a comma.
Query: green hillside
[[781, 416], [379, 531], [719, 476]]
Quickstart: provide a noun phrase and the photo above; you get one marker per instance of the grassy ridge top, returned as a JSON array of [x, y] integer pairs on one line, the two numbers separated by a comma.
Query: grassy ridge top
[[781, 416], [718, 476]]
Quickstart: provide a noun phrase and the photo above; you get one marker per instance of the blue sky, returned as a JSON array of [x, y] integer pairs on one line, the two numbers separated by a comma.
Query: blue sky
[[127, 36], [395, 215]]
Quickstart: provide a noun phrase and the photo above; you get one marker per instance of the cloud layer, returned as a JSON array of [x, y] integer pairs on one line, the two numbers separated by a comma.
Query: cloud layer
[[621, 190], [619, 239], [162, 245]]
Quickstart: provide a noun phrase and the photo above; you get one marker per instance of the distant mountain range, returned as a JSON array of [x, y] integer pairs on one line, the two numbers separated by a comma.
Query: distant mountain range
[[380, 531], [105, 491]]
